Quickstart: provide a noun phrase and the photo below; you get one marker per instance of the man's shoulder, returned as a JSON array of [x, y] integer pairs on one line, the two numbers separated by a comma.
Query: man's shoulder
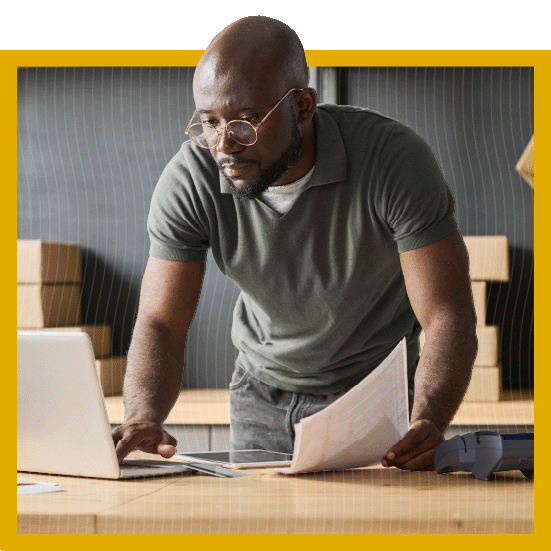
[[359, 125], [350, 114], [356, 123], [350, 118]]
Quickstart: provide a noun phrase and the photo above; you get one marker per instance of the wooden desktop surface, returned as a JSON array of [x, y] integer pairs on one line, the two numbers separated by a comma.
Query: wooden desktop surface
[[212, 407], [373, 500]]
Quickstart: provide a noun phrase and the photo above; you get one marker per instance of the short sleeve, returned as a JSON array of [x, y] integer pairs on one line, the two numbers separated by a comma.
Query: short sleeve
[[177, 223], [415, 200]]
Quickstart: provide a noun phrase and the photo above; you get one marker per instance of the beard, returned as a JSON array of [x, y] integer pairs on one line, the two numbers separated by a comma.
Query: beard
[[271, 174]]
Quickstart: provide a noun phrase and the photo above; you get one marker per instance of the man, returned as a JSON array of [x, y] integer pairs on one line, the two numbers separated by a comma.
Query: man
[[337, 225]]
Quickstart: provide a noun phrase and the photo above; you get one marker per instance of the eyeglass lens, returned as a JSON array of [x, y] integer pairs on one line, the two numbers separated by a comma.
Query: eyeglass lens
[[205, 135]]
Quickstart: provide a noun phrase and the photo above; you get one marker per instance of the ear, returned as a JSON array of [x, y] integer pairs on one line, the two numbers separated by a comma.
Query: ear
[[306, 102]]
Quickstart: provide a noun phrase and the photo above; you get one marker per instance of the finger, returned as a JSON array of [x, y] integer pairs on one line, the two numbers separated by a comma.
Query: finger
[[152, 443], [430, 443], [124, 446], [169, 439], [166, 450], [422, 462], [136, 438], [167, 447], [116, 434], [414, 437]]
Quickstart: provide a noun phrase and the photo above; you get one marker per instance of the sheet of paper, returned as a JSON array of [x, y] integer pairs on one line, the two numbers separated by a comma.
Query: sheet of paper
[[25, 486], [360, 427], [37, 488], [24, 481]]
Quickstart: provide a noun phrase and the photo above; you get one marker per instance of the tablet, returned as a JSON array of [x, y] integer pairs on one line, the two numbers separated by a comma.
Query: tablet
[[240, 459]]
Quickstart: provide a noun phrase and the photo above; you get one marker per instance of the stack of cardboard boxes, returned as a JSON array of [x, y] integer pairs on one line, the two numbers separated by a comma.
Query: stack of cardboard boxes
[[49, 278], [489, 262], [525, 165]]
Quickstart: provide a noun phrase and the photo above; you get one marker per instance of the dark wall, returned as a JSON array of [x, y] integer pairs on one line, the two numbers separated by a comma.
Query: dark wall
[[93, 141], [478, 122]]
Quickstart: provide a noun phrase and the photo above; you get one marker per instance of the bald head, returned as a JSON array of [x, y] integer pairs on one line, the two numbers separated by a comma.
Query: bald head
[[258, 50], [255, 71]]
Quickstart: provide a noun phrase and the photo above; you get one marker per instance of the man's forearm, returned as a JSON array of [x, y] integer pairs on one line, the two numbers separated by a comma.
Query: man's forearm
[[444, 371], [154, 374]]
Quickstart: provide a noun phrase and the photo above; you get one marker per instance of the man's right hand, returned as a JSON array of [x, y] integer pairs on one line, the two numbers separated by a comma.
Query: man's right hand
[[153, 379], [146, 437]]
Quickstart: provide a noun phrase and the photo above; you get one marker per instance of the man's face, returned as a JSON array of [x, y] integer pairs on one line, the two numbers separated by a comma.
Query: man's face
[[251, 169]]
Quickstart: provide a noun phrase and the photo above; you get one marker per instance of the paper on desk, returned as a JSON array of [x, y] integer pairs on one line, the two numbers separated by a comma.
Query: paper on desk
[[25, 486], [361, 426], [21, 481]]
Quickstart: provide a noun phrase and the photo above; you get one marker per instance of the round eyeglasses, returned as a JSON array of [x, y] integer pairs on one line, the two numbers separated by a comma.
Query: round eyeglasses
[[242, 132]]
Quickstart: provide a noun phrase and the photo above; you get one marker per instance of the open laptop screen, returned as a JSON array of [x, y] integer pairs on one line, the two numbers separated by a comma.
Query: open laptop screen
[[62, 424]]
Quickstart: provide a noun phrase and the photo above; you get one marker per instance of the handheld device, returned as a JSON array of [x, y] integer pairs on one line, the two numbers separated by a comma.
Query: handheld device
[[240, 459], [486, 452]]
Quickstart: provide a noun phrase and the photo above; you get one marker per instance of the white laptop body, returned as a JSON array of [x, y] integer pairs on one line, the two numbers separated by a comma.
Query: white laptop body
[[62, 424]]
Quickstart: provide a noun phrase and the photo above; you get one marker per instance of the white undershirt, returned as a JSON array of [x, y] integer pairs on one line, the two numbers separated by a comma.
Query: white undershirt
[[282, 198]]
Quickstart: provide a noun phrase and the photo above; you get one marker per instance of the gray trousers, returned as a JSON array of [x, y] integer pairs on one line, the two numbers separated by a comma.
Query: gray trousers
[[263, 417]]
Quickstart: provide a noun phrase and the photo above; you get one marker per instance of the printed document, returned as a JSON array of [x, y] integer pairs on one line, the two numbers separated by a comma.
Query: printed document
[[25, 486], [361, 426]]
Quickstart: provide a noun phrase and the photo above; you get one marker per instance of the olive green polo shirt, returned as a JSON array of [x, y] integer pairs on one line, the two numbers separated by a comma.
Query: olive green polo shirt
[[323, 299]]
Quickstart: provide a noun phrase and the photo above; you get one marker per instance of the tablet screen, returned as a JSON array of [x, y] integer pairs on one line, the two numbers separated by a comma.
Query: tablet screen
[[239, 457]]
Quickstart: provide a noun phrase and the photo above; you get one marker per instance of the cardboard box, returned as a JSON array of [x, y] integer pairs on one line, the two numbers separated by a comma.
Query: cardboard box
[[39, 262], [111, 374], [100, 335], [525, 165], [488, 257], [485, 385], [41, 306], [488, 345], [479, 299]]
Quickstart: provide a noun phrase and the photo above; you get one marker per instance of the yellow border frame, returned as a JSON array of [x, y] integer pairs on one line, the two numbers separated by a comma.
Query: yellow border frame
[[10, 60]]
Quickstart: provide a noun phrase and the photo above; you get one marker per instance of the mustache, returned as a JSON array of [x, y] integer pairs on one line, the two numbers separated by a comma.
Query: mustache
[[235, 160]]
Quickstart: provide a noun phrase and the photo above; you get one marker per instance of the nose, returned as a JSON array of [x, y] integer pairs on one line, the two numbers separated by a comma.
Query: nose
[[227, 145]]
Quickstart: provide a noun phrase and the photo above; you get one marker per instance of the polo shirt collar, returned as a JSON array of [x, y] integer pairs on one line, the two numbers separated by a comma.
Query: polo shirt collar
[[330, 153]]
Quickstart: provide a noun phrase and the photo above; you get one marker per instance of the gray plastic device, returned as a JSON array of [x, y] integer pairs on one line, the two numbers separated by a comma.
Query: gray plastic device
[[486, 452]]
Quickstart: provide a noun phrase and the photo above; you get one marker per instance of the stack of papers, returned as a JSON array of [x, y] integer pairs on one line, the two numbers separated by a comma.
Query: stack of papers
[[25, 486], [359, 428]]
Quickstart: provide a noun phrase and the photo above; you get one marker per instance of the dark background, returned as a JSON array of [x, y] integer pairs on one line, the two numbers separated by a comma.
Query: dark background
[[92, 143]]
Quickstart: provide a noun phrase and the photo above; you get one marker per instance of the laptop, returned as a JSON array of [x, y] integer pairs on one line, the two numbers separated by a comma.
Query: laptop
[[62, 424]]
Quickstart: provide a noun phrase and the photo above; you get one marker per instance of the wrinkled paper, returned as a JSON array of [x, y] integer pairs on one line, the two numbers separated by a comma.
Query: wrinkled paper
[[361, 426]]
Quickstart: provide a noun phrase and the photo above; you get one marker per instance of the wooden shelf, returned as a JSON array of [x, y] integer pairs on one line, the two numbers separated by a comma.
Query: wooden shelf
[[193, 407], [515, 408], [212, 407]]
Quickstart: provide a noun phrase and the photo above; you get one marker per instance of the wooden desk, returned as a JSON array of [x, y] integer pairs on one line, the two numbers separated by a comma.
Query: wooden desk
[[373, 500]]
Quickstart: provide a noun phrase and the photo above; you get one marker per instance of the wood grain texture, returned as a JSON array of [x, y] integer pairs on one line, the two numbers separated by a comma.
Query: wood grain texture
[[373, 500]]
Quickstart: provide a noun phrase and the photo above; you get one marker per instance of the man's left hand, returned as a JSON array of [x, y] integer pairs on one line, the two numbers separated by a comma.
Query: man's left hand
[[415, 452]]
